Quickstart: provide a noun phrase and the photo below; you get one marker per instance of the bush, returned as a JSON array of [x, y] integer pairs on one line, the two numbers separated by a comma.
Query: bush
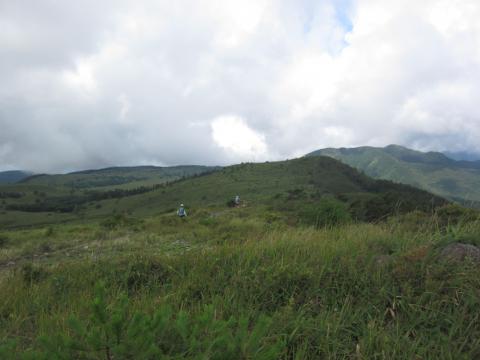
[[453, 214], [120, 221], [327, 212], [113, 333], [414, 221], [33, 274], [45, 247], [49, 231], [145, 273], [4, 240]]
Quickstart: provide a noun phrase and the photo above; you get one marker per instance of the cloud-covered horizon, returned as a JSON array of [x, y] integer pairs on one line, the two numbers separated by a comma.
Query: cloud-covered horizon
[[93, 84]]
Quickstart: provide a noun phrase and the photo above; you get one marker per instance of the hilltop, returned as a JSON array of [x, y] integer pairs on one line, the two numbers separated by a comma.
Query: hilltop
[[430, 171], [285, 185], [298, 181], [118, 177], [13, 176]]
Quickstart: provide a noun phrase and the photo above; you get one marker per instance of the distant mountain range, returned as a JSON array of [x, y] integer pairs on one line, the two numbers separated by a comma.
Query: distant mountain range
[[13, 176], [462, 155], [457, 180], [118, 177]]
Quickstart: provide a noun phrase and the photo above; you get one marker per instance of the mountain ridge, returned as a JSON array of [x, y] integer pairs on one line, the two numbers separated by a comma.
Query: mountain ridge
[[287, 186], [430, 171], [118, 176], [13, 176]]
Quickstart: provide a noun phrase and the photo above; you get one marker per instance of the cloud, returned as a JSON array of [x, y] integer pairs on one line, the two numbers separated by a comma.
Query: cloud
[[231, 133], [122, 83]]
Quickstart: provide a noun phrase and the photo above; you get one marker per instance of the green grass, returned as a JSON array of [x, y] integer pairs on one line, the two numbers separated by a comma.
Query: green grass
[[239, 283]]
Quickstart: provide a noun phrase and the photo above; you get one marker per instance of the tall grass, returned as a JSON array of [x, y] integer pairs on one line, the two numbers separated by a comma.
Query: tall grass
[[252, 290]]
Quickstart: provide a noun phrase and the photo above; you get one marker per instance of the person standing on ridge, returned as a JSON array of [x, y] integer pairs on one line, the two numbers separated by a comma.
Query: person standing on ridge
[[181, 211], [237, 200]]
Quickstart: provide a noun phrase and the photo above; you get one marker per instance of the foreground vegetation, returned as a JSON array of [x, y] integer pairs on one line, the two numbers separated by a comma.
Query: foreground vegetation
[[241, 283]]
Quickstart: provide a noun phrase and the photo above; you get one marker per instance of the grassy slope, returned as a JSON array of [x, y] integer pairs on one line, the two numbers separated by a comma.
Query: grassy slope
[[429, 171], [44, 188], [316, 294], [264, 184]]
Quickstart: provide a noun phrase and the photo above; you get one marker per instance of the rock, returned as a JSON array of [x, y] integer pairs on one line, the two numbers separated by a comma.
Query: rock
[[460, 252]]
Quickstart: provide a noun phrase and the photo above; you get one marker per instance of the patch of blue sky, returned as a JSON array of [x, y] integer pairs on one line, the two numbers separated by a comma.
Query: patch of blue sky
[[343, 12]]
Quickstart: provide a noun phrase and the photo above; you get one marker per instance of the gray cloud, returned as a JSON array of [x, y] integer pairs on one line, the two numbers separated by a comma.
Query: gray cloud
[[91, 84]]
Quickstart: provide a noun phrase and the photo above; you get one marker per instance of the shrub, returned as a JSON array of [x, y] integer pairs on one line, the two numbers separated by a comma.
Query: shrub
[[49, 231], [144, 273], [4, 240], [294, 194], [453, 214], [45, 247], [414, 221], [121, 220], [113, 333], [33, 274], [327, 212]]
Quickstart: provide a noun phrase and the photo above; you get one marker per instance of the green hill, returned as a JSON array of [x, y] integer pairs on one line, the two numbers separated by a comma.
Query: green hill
[[42, 198], [431, 171], [117, 177], [13, 176], [299, 181], [286, 186]]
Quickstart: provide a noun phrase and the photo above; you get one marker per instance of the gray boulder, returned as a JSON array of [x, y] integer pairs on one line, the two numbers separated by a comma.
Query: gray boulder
[[460, 252]]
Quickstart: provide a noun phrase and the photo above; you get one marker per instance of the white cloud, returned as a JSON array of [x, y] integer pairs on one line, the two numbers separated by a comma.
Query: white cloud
[[81, 77], [231, 133], [121, 82]]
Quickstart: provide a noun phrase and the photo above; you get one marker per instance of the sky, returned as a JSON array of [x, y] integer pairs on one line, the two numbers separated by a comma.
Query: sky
[[90, 84]]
